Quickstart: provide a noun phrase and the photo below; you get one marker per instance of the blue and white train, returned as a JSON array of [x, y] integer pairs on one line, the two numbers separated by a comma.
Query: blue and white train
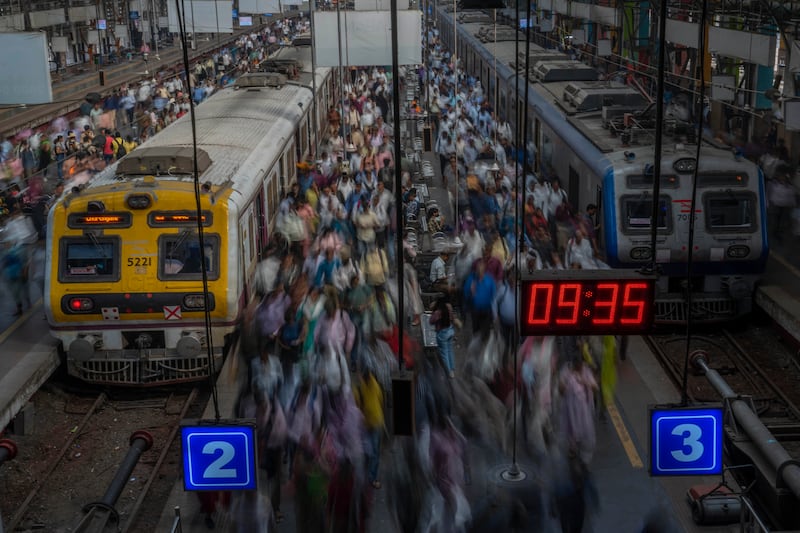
[[597, 137]]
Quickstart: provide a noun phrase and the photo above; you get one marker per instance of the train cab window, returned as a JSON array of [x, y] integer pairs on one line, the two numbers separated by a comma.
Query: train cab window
[[726, 211], [637, 213], [179, 256], [89, 259]]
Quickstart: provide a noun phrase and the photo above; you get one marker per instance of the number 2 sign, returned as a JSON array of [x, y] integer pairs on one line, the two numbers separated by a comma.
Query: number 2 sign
[[685, 442], [218, 457]]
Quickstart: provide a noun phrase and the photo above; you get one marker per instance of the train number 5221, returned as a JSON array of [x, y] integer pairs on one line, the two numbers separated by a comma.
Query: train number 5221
[[140, 261]]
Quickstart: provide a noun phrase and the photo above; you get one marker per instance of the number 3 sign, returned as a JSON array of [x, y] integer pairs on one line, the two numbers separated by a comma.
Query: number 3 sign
[[685, 442], [219, 457]]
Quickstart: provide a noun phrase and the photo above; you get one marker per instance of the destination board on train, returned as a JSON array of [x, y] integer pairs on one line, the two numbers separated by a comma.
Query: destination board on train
[[586, 302]]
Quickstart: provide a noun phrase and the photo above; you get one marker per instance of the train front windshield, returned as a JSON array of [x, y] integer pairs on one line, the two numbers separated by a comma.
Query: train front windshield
[[180, 258], [638, 210], [730, 212], [89, 259]]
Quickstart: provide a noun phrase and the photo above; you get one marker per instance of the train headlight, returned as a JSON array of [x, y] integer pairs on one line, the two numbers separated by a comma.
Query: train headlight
[[738, 251], [139, 201], [81, 304], [641, 253], [194, 301], [739, 289], [685, 166], [83, 348], [189, 345]]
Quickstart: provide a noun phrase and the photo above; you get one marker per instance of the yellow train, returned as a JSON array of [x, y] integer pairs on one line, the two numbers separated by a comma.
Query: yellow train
[[124, 291]]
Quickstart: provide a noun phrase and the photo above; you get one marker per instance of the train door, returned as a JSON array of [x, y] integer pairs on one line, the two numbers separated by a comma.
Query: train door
[[573, 188], [291, 166], [261, 221], [537, 142], [272, 198]]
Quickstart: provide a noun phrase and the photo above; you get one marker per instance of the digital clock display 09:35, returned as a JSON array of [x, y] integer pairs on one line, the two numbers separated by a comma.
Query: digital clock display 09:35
[[576, 306]]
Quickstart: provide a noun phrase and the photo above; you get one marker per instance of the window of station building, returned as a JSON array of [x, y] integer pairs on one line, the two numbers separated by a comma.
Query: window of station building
[[179, 256], [729, 212], [89, 259], [637, 213]]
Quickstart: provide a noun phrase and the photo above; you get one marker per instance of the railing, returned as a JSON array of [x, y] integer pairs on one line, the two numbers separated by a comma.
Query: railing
[[176, 522], [749, 521]]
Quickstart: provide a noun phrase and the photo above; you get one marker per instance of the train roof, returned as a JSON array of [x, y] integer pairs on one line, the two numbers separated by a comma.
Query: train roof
[[239, 131], [605, 117]]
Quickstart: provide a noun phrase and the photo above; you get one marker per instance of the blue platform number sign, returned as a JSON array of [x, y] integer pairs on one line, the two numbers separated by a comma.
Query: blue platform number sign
[[685, 441], [218, 457]]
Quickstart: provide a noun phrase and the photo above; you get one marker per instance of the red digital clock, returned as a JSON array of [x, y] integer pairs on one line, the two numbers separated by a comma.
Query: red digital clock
[[586, 302]]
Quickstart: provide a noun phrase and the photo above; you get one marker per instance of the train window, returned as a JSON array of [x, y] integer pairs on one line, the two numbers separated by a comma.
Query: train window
[[642, 181], [726, 211], [179, 256], [637, 213], [722, 180], [89, 259]]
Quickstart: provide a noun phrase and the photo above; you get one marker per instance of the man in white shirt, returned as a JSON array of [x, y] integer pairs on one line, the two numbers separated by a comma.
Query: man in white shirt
[[438, 275]]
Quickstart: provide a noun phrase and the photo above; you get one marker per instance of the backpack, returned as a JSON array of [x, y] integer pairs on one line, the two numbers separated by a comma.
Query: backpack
[[121, 151]]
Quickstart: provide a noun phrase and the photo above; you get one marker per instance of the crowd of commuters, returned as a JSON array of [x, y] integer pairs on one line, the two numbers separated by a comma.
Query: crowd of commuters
[[321, 339]]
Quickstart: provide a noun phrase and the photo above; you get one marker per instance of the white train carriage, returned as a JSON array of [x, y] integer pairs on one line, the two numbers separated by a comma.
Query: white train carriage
[[597, 136]]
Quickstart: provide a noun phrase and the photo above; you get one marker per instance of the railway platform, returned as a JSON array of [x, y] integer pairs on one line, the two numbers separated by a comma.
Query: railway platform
[[69, 90], [627, 494], [778, 295], [27, 358]]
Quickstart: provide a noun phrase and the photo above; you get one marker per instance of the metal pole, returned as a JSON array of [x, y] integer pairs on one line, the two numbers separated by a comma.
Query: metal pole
[[154, 26], [216, 15], [425, 66], [496, 88], [398, 177], [99, 39], [662, 28], [455, 38], [313, 136], [98, 514], [341, 66], [194, 35], [457, 183], [787, 468]]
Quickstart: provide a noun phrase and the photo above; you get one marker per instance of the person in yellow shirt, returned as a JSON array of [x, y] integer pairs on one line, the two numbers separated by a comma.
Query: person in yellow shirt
[[368, 395], [129, 144]]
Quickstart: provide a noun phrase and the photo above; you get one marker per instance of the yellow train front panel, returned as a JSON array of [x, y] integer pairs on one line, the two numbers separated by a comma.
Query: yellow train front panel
[[125, 280]]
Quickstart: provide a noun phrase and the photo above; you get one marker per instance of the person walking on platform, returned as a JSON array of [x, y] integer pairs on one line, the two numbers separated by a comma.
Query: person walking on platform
[[443, 320]]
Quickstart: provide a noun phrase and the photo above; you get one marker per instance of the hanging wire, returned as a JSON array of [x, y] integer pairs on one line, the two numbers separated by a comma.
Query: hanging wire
[[200, 235], [701, 53], [662, 43]]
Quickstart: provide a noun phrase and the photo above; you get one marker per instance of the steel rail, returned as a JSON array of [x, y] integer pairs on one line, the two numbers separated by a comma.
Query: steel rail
[[76, 432]]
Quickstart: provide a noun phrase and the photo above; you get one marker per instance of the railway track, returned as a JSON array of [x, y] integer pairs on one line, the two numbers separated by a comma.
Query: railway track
[[82, 452], [753, 361]]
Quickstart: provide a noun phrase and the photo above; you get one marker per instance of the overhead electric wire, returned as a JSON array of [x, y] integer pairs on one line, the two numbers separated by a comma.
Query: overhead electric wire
[[690, 256], [659, 134], [197, 198]]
